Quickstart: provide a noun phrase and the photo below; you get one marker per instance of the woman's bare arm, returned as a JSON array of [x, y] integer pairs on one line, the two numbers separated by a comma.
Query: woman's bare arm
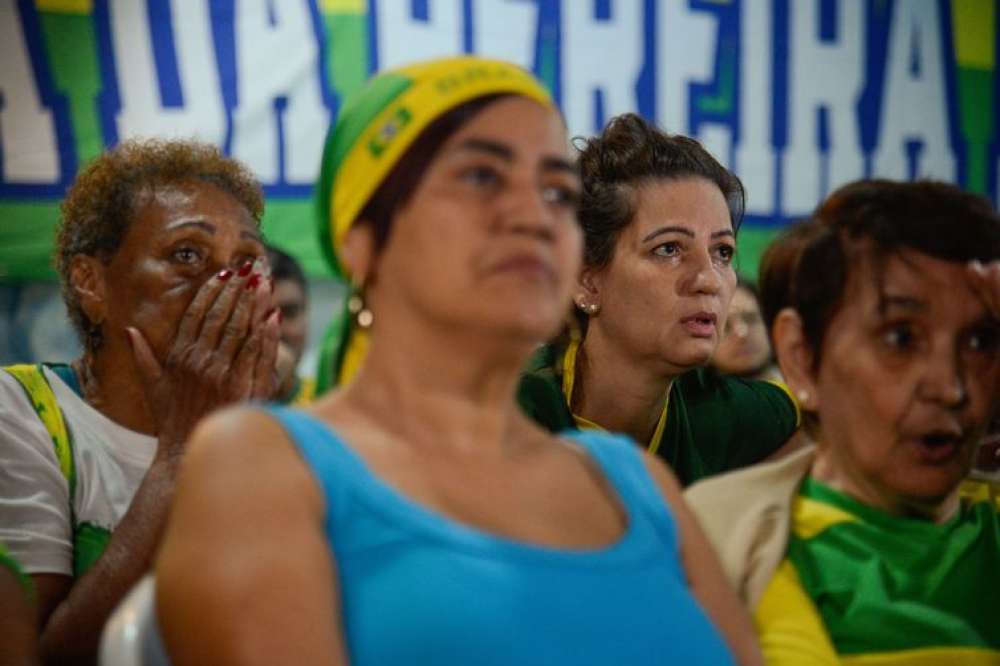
[[245, 574], [704, 573]]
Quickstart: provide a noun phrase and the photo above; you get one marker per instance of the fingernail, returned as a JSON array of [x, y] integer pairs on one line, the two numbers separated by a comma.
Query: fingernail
[[246, 268], [224, 274], [253, 282]]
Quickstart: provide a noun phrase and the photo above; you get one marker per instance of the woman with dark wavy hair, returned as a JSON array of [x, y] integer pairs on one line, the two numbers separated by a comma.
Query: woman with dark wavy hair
[[660, 217]]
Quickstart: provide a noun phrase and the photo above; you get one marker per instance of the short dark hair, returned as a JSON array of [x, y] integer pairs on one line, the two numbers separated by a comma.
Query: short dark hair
[[882, 218], [778, 267], [402, 181], [101, 203], [628, 153], [285, 267]]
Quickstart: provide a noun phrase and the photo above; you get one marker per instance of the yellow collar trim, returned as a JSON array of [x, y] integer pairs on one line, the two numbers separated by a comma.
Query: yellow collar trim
[[568, 381]]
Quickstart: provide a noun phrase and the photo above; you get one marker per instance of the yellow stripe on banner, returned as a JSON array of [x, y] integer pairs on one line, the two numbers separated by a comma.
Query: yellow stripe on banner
[[967, 656], [810, 518], [344, 6], [65, 6], [974, 28]]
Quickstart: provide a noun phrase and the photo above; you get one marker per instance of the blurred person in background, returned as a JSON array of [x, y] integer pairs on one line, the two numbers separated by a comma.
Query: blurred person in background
[[291, 296], [745, 350], [164, 277], [660, 217], [429, 519], [864, 546]]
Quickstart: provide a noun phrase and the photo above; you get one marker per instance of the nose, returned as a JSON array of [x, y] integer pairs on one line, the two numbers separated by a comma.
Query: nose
[[943, 381], [702, 277], [524, 211]]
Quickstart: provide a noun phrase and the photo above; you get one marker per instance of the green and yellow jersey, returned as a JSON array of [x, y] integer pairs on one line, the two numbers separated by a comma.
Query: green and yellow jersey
[[711, 423], [859, 586]]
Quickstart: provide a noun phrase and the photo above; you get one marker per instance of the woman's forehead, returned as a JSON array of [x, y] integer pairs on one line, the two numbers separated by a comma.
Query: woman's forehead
[[514, 124], [911, 281]]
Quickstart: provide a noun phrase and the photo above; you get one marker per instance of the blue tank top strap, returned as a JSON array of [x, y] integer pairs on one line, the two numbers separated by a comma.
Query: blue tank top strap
[[321, 450], [621, 461]]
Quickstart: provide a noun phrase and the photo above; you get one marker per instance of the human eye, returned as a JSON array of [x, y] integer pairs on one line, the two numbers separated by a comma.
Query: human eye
[[984, 340], [725, 252], [900, 337], [481, 175], [186, 254], [561, 195], [668, 249]]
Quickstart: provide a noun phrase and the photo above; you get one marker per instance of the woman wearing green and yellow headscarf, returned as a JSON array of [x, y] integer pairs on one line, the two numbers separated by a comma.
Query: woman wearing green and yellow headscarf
[[416, 515]]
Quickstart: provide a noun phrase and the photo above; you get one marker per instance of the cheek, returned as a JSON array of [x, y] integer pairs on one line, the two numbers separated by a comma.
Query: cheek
[[155, 306]]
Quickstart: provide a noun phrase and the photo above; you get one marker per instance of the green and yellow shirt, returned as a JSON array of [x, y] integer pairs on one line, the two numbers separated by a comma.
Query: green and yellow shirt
[[711, 423], [859, 586]]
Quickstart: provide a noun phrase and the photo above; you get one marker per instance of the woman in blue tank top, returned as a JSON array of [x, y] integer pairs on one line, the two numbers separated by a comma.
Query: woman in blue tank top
[[416, 516]]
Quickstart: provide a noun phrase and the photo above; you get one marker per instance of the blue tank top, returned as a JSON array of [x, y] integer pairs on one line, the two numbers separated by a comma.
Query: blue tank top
[[419, 588]]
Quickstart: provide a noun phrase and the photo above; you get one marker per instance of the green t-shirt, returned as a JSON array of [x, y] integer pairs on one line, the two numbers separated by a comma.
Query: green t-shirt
[[889, 585], [714, 423]]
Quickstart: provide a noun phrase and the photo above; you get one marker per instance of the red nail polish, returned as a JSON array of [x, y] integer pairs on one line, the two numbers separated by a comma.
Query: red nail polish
[[246, 268], [253, 282], [224, 274]]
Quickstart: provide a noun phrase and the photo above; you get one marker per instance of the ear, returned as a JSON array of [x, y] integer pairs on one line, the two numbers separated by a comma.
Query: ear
[[87, 281], [588, 289], [795, 357], [358, 252]]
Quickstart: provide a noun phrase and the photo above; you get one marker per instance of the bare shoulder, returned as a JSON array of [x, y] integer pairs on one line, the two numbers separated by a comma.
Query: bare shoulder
[[238, 446]]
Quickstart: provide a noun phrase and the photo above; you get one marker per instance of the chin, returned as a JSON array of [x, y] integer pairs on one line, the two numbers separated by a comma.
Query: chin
[[932, 486]]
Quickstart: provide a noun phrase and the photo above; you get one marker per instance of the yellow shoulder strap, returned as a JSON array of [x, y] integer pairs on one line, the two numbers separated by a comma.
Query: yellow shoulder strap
[[40, 395]]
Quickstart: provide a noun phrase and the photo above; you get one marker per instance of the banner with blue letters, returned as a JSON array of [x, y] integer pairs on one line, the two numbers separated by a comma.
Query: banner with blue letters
[[797, 96]]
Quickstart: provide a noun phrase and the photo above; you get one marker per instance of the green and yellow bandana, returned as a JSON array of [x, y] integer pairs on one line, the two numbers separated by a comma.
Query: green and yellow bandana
[[378, 124], [375, 128]]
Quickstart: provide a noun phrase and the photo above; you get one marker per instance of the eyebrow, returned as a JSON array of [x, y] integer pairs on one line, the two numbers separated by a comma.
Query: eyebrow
[[686, 232], [210, 229], [894, 301], [504, 152]]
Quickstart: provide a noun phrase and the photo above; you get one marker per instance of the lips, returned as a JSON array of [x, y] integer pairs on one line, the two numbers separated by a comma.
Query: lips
[[700, 324], [936, 447], [527, 265]]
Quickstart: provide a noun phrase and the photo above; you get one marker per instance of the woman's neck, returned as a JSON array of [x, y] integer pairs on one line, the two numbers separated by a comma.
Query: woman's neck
[[110, 385], [452, 392], [617, 392], [837, 472]]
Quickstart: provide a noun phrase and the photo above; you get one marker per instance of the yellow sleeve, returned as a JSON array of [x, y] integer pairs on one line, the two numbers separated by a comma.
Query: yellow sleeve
[[789, 627]]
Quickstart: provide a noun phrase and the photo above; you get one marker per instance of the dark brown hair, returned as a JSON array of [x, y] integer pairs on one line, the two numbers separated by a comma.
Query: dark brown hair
[[101, 203], [778, 266], [878, 219], [628, 153]]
